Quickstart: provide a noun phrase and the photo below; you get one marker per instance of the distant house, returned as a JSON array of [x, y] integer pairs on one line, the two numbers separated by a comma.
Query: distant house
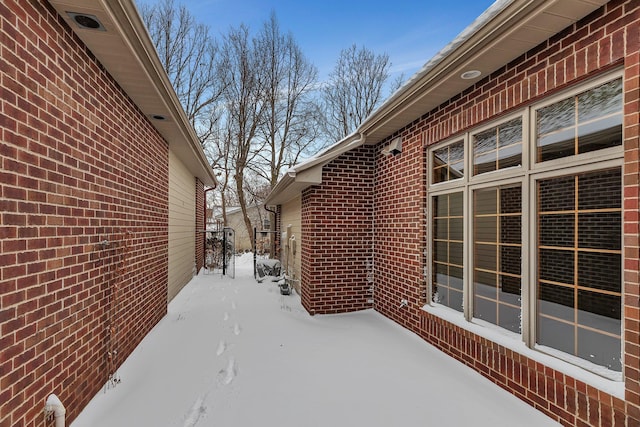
[[491, 206], [101, 196], [243, 238]]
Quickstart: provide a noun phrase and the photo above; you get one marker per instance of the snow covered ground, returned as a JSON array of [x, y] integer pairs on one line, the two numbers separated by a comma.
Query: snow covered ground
[[236, 353]]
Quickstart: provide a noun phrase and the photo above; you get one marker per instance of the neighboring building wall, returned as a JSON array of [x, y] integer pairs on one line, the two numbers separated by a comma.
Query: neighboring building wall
[[337, 249], [182, 239], [200, 225], [83, 234], [244, 239], [291, 259], [604, 40]]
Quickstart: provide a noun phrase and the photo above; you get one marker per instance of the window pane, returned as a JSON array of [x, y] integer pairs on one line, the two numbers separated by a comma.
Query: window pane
[[485, 309], [581, 281], [556, 334], [510, 290], [600, 134], [600, 271], [510, 259], [447, 254], [485, 284], [455, 229], [456, 253], [557, 230], [556, 301], [510, 200], [599, 311], [448, 162], [556, 145], [455, 205], [486, 202], [556, 266], [441, 228], [485, 257], [556, 117], [587, 122], [601, 101], [559, 194], [600, 230], [497, 257], [455, 277], [595, 184], [486, 229], [600, 349], [509, 318], [510, 229], [498, 148]]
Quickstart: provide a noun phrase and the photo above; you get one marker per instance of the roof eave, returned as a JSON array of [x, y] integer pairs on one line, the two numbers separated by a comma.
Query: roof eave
[[127, 52], [507, 30]]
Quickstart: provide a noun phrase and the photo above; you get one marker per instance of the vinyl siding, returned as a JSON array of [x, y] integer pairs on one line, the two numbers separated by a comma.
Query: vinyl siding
[[182, 211]]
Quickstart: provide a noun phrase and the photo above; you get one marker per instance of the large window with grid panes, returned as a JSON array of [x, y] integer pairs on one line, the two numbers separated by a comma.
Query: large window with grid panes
[[525, 225]]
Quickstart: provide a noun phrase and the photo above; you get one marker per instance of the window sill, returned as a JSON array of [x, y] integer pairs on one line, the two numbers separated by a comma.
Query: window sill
[[576, 368]]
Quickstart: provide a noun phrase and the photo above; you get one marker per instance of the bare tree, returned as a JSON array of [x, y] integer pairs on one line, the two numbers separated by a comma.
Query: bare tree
[[354, 90], [241, 70], [188, 54], [223, 150], [291, 120]]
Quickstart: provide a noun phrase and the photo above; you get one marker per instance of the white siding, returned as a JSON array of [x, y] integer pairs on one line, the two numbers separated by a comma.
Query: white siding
[[182, 220], [290, 215]]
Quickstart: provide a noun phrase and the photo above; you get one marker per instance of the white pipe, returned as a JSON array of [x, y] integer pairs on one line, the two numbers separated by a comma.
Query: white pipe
[[54, 407]]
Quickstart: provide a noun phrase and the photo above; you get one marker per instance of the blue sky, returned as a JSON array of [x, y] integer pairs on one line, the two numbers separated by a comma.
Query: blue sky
[[410, 31]]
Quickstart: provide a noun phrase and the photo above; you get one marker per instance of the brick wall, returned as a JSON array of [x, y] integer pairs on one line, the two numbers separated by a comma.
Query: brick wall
[[399, 213], [338, 231], [608, 38], [80, 166]]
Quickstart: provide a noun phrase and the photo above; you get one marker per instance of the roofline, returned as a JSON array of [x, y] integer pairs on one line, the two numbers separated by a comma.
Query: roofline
[[130, 37], [417, 96], [309, 172], [481, 29]]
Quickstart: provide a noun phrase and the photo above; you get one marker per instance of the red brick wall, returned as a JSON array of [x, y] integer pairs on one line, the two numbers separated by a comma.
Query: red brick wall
[[400, 231], [79, 165], [338, 229], [200, 225], [608, 38]]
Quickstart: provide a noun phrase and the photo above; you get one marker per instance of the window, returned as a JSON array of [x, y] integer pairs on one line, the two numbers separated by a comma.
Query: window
[[542, 212], [448, 162], [447, 250], [579, 254], [498, 148], [497, 247], [586, 122]]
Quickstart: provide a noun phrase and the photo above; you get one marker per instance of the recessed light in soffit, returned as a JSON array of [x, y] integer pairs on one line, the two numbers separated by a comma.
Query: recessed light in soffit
[[86, 21], [471, 74]]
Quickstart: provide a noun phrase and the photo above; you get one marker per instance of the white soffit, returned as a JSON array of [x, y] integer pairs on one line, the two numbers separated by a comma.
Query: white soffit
[[126, 51]]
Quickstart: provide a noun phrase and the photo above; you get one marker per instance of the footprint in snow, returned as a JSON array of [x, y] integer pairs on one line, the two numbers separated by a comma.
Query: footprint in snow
[[236, 329], [226, 316], [197, 410], [228, 374], [222, 346], [233, 305]]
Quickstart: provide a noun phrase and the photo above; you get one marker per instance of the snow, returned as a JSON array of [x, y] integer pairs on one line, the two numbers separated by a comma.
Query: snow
[[234, 352]]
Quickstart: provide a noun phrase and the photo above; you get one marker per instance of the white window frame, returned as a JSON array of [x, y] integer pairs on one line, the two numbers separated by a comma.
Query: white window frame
[[527, 175]]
